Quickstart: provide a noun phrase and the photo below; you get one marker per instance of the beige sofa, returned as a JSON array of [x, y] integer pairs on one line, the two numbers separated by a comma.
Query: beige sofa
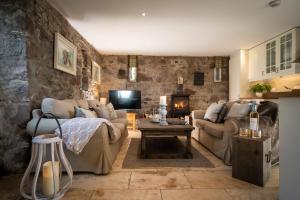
[[217, 137], [99, 154]]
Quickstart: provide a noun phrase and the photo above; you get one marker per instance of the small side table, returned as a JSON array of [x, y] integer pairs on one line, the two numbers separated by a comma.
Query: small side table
[[251, 159]]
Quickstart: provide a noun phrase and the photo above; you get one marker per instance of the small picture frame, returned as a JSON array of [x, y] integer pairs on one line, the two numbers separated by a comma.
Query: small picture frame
[[132, 68], [96, 73], [198, 78], [65, 55]]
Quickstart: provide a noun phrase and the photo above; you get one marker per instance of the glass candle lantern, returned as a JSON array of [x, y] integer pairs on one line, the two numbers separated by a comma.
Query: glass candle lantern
[[46, 163]]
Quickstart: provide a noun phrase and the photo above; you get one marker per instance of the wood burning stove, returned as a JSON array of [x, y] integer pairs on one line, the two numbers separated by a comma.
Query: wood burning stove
[[180, 105]]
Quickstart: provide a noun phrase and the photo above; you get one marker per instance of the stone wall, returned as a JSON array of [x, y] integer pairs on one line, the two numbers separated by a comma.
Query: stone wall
[[14, 99], [27, 74], [45, 81], [158, 76]]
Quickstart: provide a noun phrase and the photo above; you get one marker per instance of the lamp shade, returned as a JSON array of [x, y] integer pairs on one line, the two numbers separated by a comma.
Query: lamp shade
[[103, 100]]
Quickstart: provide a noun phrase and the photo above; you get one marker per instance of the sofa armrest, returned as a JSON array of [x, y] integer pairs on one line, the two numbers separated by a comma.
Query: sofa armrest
[[121, 114], [197, 114]]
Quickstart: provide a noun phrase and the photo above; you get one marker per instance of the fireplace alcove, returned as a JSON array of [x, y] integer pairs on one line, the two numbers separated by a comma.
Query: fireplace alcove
[[180, 105]]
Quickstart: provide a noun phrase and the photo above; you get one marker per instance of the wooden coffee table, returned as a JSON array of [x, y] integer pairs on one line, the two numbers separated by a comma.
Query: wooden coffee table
[[150, 129]]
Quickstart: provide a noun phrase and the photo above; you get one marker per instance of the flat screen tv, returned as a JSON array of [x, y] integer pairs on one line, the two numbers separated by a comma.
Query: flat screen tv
[[125, 99]]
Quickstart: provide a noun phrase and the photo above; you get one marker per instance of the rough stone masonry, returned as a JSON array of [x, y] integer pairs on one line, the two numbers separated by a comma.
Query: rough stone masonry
[[27, 74], [157, 75]]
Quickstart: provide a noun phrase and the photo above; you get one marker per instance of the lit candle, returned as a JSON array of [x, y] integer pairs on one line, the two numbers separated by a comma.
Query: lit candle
[[103, 101], [48, 174], [163, 100]]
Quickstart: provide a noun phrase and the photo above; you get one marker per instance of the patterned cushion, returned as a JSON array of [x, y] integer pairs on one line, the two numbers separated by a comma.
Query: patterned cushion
[[222, 114], [112, 112], [102, 112], [81, 112]]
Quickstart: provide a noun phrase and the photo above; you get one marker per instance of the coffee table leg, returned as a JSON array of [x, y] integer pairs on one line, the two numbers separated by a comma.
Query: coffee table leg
[[143, 146], [188, 152]]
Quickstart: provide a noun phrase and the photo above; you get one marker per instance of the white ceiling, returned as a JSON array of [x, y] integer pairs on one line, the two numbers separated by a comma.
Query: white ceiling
[[178, 27]]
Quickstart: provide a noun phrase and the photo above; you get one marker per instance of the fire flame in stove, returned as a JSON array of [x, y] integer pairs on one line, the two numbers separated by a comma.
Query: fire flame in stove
[[179, 105]]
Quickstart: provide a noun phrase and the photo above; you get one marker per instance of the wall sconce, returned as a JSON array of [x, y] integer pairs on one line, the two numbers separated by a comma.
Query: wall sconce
[[218, 70], [132, 68]]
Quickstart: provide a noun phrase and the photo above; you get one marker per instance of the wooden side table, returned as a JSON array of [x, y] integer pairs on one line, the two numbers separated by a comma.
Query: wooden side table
[[251, 159], [131, 117]]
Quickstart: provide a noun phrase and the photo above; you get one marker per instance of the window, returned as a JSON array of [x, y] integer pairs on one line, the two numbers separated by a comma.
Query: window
[[286, 51], [271, 57]]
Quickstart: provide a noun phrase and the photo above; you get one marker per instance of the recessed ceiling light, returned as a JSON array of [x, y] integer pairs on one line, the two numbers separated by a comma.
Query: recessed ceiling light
[[274, 3], [143, 14]]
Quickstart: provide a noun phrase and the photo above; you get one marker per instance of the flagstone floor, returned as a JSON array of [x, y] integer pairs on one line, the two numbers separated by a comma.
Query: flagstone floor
[[159, 183]]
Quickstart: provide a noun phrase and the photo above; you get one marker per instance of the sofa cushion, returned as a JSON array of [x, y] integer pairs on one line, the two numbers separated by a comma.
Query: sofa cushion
[[60, 108], [120, 120], [102, 111], [214, 129], [120, 126], [213, 111], [238, 110], [85, 113], [222, 114], [112, 112]]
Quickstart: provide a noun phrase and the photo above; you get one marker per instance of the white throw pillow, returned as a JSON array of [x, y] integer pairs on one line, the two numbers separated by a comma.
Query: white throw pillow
[[238, 110], [213, 111]]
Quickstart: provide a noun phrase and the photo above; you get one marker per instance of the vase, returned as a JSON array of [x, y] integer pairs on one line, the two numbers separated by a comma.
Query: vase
[[258, 94]]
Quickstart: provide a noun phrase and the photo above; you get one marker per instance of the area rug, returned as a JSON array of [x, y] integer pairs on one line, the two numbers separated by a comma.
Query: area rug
[[156, 145]]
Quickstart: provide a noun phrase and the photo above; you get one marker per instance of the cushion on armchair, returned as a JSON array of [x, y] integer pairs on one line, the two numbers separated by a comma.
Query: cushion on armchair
[[238, 110], [213, 111]]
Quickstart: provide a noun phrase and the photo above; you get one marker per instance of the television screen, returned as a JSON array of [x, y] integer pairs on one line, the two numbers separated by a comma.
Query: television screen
[[125, 99]]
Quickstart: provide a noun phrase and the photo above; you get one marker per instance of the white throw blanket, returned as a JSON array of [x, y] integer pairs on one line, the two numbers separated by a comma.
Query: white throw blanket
[[77, 132]]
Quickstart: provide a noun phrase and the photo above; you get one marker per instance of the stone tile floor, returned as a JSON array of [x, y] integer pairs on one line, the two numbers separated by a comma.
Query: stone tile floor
[[159, 183]]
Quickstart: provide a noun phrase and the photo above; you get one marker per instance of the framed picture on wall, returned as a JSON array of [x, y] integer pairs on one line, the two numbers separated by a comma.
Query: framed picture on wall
[[65, 55], [96, 73], [198, 78]]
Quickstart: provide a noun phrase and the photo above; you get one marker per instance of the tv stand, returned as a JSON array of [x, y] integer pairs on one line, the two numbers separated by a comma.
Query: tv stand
[[131, 117]]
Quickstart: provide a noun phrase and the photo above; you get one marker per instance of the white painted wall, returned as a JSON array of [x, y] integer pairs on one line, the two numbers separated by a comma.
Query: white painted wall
[[238, 75], [234, 74], [244, 73], [289, 151]]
